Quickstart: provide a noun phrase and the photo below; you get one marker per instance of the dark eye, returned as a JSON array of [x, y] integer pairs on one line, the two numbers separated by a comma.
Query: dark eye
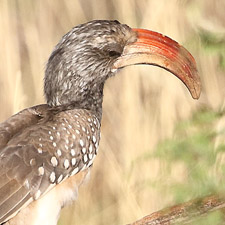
[[114, 54], [113, 50]]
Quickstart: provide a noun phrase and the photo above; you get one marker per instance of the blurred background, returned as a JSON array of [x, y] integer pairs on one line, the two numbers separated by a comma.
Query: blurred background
[[159, 146]]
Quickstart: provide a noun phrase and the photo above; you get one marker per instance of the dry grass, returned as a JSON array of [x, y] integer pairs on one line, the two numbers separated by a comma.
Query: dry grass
[[141, 104]]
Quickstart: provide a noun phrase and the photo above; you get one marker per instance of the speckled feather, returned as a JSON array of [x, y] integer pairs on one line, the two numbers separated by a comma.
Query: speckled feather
[[52, 146], [56, 146], [42, 146]]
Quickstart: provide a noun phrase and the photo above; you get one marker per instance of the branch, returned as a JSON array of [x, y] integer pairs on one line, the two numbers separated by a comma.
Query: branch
[[183, 213]]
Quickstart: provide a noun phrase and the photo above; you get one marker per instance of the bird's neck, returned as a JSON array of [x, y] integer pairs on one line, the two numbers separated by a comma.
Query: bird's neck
[[89, 99], [92, 101]]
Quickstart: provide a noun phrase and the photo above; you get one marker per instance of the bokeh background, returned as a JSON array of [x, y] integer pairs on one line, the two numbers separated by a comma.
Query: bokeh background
[[145, 108]]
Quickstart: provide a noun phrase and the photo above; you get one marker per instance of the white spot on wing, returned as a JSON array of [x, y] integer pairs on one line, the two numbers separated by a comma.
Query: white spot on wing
[[32, 162], [54, 144], [93, 138], [81, 143], [41, 171], [90, 148], [52, 177], [72, 152], [84, 150], [59, 152], [54, 161], [73, 161], [66, 164], [85, 158]]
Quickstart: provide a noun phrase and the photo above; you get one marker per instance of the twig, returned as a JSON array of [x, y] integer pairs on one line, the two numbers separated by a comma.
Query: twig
[[183, 213]]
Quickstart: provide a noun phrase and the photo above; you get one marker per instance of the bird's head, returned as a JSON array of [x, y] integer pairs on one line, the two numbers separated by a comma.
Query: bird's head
[[90, 53]]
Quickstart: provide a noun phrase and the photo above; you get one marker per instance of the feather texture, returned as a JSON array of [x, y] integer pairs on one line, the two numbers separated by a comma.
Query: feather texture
[[43, 151]]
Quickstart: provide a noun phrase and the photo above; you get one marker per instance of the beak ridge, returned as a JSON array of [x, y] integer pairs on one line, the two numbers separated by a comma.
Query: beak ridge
[[156, 49]]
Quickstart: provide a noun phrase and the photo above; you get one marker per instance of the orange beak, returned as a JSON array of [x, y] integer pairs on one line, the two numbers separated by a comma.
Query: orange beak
[[156, 49]]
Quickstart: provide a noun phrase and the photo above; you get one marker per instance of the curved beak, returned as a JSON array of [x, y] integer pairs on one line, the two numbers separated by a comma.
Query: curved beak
[[156, 49]]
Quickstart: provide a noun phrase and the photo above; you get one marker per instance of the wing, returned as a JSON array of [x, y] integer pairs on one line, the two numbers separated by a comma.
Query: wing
[[39, 151], [19, 122], [12, 193]]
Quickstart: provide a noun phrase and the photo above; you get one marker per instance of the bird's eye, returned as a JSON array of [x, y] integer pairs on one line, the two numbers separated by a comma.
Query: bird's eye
[[113, 50], [114, 54]]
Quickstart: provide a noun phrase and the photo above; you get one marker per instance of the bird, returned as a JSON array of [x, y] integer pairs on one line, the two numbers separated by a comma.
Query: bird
[[47, 151]]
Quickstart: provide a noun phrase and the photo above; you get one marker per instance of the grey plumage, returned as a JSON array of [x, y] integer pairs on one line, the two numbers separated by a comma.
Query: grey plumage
[[47, 151], [43, 145], [81, 62]]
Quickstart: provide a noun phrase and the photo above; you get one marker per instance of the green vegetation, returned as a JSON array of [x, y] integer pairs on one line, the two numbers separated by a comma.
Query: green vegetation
[[214, 44], [197, 147]]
